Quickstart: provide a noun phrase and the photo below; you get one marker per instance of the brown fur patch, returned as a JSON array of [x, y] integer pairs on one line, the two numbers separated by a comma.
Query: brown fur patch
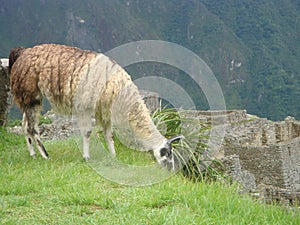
[[48, 70], [14, 55]]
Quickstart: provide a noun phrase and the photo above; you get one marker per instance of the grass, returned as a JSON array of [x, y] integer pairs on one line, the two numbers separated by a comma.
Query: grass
[[191, 152], [65, 190]]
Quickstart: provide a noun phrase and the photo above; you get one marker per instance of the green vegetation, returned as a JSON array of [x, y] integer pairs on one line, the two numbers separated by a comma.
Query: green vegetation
[[189, 151], [262, 37], [65, 190]]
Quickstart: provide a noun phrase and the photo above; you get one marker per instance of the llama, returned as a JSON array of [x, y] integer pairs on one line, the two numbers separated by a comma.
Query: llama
[[85, 84]]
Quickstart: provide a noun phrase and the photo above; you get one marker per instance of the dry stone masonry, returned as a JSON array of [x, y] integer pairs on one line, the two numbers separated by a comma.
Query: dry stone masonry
[[264, 156], [5, 96], [269, 150]]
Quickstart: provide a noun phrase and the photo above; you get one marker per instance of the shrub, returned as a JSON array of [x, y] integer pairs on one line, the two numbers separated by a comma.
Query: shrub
[[190, 157]]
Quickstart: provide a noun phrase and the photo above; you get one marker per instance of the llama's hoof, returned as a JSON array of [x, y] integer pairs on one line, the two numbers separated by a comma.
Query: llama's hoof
[[46, 157], [113, 155], [86, 158], [33, 156]]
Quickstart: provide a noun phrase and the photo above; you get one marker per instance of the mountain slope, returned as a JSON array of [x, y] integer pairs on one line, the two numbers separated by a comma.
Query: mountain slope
[[252, 46]]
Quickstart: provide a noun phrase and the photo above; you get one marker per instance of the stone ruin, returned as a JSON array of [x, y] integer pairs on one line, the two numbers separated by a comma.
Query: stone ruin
[[269, 150], [264, 156], [5, 96]]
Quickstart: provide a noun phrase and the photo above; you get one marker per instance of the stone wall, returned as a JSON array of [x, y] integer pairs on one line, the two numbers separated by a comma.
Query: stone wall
[[269, 150], [264, 163], [234, 169], [218, 117], [151, 99], [5, 96], [270, 194], [257, 149], [290, 155]]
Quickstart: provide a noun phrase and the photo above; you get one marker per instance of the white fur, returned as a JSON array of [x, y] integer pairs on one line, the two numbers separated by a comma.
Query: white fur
[[4, 62]]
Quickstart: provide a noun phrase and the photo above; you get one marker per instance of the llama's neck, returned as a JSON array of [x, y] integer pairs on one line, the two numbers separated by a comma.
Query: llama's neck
[[154, 141], [129, 111]]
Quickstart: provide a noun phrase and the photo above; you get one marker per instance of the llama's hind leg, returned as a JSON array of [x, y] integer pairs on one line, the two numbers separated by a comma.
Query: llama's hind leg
[[31, 130], [28, 137]]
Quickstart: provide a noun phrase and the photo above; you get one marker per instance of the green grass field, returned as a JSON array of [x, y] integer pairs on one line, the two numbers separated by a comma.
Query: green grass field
[[66, 190]]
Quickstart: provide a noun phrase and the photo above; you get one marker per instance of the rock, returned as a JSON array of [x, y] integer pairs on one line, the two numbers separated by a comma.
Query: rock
[[5, 95], [234, 169]]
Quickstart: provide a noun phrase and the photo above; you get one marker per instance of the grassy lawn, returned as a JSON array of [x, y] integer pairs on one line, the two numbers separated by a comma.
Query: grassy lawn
[[66, 190]]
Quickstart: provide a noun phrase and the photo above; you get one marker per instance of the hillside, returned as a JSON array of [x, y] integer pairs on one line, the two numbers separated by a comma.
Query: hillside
[[66, 190], [252, 46]]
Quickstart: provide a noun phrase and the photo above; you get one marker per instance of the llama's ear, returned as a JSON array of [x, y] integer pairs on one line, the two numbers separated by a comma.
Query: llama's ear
[[175, 139]]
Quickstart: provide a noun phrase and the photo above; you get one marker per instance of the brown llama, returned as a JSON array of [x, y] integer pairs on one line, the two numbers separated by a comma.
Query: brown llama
[[85, 84]]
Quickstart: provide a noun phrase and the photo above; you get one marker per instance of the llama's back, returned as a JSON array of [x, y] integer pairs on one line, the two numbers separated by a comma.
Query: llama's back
[[49, 70]]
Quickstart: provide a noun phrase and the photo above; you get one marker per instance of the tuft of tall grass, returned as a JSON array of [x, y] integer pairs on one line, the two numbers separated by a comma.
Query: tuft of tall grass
[[190, 152]]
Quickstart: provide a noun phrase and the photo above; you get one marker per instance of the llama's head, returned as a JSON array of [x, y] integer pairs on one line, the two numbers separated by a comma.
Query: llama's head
[[164, 153]]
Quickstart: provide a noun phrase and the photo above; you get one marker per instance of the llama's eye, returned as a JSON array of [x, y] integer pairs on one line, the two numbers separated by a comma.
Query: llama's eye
[[163, 152]]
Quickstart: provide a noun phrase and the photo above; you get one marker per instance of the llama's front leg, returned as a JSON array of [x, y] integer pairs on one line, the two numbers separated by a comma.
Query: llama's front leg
[[86, 145], [109, 139], [85, 126]]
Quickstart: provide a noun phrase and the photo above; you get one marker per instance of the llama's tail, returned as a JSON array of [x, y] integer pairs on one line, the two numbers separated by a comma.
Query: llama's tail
[[14, 55]]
